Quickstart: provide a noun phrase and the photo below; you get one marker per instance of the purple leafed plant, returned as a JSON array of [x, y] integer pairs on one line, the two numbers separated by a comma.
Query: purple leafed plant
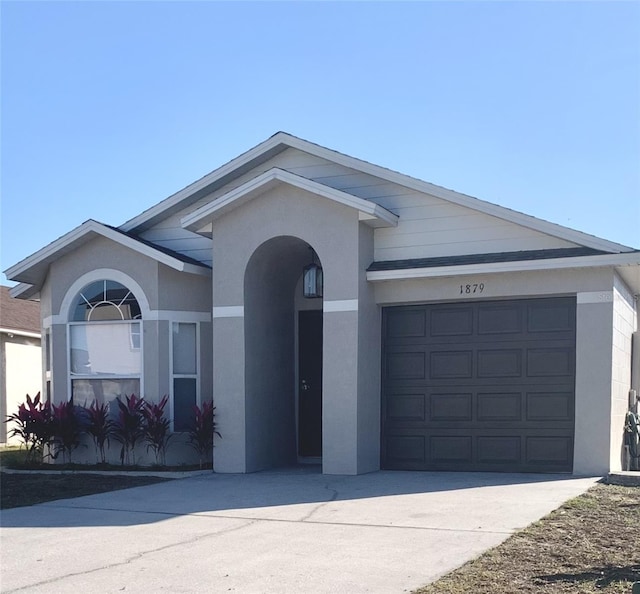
[[67, 426], [128, 428], [156, 428], [33, 426], [202, 431], [100, 427]]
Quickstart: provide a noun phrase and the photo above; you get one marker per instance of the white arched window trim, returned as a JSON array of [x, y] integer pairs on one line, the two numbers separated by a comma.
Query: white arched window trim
[[68, 305], [101, 274]]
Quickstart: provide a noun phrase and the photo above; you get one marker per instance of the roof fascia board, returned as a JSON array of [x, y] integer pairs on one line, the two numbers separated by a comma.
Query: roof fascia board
[[261, 183], [174, 200], [81, 232], [626, 259]]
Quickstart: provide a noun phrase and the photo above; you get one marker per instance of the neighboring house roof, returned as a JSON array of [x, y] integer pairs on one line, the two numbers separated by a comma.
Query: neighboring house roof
[[32, 271], [17, 315], [281, 141]]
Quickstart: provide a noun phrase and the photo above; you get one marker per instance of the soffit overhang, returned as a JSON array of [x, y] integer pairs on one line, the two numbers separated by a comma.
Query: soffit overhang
[[200, 220]]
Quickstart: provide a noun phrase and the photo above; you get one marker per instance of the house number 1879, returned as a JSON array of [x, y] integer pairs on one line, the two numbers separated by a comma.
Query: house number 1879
[[471, 288]]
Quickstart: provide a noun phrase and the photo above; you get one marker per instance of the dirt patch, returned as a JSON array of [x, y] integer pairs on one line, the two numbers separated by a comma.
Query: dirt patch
[[590, 544], [18, 490]]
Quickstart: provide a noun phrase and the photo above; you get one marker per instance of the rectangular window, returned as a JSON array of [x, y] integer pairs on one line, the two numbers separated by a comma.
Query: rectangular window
[[47, 351], [103, 391], [105, 349], [185, 374]]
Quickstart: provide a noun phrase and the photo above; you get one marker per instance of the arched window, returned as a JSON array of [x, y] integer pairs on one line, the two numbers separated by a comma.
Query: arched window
[[105, 356]]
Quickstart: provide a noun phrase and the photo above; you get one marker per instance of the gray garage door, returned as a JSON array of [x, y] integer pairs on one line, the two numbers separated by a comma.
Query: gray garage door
[[479, 386]]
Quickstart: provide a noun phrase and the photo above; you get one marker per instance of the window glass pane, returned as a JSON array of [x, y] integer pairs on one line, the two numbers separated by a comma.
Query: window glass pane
[[105, 300], [184, 399], [184, 348], [47, 351], [85, 391], [105, 349]]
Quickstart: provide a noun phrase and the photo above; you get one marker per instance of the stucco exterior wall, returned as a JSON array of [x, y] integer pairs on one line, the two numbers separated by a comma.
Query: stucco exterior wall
[[333, 231], [625, 323]]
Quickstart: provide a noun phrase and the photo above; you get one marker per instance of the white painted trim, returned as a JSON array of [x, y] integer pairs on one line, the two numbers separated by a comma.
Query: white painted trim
[[594, 297], [280, 141], [338, 305], [178, 316], [96, 275], [228, 311], [628, 259], [199, 218]]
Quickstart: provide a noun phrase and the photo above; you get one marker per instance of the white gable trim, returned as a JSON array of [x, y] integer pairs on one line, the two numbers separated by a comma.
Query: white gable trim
[[370, 212], [280, 141], [32, 270]]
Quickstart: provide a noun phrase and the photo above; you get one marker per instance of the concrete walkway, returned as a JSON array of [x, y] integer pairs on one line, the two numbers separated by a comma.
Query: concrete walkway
[[288, 531]]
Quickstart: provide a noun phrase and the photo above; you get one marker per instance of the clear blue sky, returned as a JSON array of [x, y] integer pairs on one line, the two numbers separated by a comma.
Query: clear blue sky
[[109, 107]]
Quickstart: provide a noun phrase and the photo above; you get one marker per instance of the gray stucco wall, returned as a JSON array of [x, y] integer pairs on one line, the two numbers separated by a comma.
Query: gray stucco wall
[[333, 231]]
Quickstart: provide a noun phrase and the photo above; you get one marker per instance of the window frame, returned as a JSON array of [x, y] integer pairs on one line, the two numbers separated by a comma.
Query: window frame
[[173, 376], [129, 322]]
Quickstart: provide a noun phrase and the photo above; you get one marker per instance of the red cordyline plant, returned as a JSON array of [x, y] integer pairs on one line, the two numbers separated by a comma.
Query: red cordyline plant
[[100, 427], [128, 428], [33, 426], [156, 429], [202, 431], [67, 426]]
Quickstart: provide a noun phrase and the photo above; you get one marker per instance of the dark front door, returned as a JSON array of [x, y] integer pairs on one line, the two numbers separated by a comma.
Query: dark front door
[[310, 383]]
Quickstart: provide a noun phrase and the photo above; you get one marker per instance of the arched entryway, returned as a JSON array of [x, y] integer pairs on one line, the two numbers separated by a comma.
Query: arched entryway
[[283, 357]]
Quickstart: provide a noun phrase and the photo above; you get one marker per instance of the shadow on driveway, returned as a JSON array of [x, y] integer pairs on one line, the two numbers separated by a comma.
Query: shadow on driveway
[[439, 500]]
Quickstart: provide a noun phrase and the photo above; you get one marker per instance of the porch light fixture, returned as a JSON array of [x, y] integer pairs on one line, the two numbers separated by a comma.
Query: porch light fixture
[[312, 279]]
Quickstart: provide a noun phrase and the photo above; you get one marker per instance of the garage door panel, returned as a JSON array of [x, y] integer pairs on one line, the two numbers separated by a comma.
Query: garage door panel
[[451, 407], [451, 322], [501, 450], [549, 451], [550, 362], [450, 365], [407, 323], [551, 316], [409, 407], [499, 406], [550, 406], [408, 365], [500, 319], [500, 397], [499, 363], [406, 451], [451, 449]]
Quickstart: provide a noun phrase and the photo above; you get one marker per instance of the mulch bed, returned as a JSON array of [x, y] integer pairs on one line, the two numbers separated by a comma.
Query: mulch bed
[[17, 490]]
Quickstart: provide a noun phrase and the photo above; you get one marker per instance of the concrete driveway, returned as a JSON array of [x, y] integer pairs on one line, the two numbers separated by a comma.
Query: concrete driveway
[[285, 531]]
